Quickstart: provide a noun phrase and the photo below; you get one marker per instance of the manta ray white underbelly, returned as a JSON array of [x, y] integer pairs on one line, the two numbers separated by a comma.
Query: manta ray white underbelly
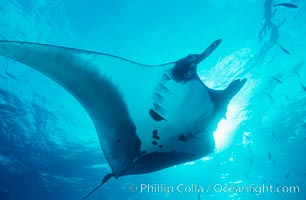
[[147, 117]]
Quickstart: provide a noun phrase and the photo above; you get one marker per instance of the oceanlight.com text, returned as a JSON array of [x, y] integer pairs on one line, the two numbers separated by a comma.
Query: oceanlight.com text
[[216, 188]]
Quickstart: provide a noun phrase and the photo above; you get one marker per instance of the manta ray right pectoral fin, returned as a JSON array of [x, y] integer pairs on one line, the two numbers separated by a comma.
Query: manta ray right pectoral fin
[[221, 98], [234, 87]]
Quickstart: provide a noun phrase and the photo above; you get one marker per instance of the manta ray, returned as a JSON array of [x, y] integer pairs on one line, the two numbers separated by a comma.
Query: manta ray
[[147, 117]]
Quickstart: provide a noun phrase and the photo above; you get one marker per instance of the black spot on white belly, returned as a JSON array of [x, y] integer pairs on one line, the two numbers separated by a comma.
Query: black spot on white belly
[[183, 138], [155, 136]]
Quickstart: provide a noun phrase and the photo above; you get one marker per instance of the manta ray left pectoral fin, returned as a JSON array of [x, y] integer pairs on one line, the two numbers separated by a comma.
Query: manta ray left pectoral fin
[[87, 76]]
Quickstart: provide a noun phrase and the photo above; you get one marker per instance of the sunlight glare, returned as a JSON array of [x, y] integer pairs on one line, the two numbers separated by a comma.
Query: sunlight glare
[[226, 127]]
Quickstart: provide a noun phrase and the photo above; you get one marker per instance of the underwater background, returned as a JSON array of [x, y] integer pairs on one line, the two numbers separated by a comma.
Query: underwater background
[[48, 145]]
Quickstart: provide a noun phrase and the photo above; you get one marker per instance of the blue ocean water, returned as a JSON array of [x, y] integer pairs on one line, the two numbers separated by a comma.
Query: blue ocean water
[[48, 145]]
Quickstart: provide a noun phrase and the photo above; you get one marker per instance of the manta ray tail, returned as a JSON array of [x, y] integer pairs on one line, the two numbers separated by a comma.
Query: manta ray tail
[[105, 179]]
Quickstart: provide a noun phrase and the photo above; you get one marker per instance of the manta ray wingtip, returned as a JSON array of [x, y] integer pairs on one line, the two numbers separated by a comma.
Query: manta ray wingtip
[[235, 86]]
